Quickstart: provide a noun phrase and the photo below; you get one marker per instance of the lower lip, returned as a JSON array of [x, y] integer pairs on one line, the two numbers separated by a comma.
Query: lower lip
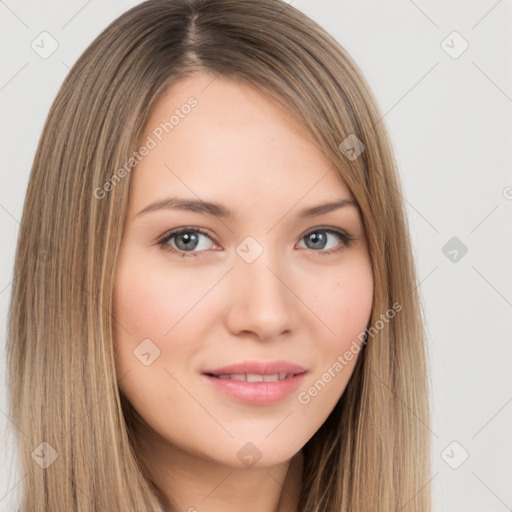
[[257, 393]]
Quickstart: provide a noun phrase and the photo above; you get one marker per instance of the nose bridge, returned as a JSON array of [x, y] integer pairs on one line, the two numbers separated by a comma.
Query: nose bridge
[[262, 302]]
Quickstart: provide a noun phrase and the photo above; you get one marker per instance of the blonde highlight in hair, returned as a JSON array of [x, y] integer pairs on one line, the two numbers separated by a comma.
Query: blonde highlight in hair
[[372, 453]]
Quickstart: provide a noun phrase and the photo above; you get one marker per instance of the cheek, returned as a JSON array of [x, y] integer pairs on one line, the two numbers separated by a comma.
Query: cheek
[[345, 309], [345, 304], [140, 300], [150, 307], [171, 308], [143, 312], [152, 299]]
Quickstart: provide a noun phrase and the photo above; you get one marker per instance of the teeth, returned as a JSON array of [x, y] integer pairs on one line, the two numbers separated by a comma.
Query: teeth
[[255, 377]]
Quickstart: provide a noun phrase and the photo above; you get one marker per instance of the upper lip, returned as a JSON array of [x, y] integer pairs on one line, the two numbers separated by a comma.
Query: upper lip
[[259, 368]]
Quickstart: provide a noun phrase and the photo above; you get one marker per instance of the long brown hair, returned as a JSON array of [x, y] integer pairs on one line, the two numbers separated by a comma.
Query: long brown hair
[[372, 453]]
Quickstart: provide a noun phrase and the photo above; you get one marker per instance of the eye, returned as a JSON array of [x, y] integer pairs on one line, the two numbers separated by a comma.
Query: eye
[[318, 239], [185, 240]]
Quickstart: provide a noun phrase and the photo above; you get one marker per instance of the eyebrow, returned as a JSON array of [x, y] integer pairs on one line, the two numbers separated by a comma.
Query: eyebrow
[[219, 210]]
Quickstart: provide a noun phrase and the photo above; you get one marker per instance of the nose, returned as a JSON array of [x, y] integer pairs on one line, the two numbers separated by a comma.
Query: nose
[[262, 299]]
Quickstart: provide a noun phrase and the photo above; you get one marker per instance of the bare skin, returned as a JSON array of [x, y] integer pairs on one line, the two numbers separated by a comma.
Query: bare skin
[[299, 300]]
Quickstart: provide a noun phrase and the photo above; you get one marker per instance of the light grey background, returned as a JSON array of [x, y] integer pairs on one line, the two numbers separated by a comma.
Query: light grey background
[[450, 121]]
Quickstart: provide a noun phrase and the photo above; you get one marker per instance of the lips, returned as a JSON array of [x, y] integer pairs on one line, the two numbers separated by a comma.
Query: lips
[[256, 383], [250, 371]]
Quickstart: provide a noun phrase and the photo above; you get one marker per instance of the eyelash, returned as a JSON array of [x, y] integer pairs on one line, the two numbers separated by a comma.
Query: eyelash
[[162, 242]]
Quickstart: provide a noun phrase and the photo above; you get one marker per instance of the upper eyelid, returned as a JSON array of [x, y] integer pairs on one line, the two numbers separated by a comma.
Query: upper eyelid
[[185, 229]]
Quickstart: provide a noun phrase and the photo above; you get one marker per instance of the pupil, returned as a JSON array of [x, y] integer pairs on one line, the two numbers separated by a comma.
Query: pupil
[[188, 237], [315, 238]]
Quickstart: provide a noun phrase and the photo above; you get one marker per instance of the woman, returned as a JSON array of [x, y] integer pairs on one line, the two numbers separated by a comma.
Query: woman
[[263, 371]]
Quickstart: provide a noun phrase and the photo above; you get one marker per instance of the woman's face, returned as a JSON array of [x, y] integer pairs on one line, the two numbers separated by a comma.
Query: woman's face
[[267, 285]]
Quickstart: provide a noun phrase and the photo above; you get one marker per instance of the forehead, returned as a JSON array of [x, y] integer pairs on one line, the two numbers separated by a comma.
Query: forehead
[[214, 138]]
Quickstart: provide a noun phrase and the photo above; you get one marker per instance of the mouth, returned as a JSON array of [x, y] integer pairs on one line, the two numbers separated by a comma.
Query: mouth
[[255, 377], [257, 371], [256, 383]]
